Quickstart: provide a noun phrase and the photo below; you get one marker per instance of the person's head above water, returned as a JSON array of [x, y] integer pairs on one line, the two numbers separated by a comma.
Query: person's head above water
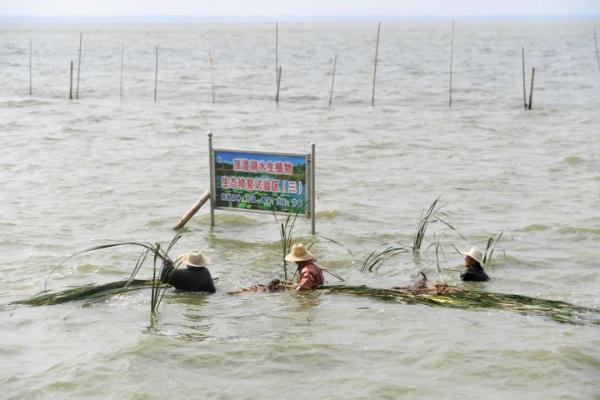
[[473, 258], [299, 254], [194, 259]]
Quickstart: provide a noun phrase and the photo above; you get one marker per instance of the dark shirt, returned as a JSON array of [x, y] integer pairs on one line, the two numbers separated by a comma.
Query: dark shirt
[[475, 274], [190, 279]]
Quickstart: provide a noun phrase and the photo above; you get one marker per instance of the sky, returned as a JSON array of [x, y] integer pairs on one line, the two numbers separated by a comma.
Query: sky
[[296, 8]]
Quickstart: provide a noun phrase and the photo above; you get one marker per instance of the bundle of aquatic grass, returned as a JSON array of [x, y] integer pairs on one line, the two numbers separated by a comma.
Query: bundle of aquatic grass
[[558, 311], [156, 251], [89, 294]]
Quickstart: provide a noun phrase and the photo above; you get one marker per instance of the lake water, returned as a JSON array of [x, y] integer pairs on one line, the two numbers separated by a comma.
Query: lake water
[[75, 174]]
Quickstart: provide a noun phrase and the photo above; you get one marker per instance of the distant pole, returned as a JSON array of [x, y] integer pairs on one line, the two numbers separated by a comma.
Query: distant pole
[[71, 82], [332, 79], [122, 58], [156, 73], [276, 52], [531, 89], [30, 51], [451, 66], [597, 52], [524, 89], [278, 86], [212, 80], [79, 65], [375, 64]]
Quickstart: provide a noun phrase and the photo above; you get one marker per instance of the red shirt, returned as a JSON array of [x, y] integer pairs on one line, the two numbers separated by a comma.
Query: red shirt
[[309, 276]]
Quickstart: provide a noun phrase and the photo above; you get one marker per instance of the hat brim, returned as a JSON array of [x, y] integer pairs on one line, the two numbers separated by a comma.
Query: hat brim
[[206, 262], [306, 257], [467, 254]]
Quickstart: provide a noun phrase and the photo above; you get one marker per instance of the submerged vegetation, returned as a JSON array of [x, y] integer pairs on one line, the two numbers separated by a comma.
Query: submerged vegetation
[[155, 251]]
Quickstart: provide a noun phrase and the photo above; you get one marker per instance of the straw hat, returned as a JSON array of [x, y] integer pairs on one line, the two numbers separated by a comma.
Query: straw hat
[[194, 259], [475, 254], [299, 253]]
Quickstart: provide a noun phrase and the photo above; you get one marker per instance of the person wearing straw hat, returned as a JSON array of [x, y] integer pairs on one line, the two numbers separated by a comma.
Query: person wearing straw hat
[[473, 261], [310, 275], [192, 276]]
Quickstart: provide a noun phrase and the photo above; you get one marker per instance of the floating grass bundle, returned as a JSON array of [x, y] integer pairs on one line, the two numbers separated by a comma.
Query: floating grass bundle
[[473, 300], [92, 292], [89, 294]]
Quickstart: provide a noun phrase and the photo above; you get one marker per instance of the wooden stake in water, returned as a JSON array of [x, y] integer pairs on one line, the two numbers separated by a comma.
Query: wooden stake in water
[[30, 86], [375, 64], [332, 79], [71, 82], [212, 80], [156, 73], [276, 51], [597, 52], [531, 88], [524, 89], [121, 82], [451, 66], [278, 85], [79, 65]]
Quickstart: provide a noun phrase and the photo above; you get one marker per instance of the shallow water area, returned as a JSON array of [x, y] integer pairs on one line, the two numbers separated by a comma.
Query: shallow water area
[[103, 169]]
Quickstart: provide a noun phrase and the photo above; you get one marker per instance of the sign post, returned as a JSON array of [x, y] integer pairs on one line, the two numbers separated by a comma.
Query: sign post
[[262, 182]]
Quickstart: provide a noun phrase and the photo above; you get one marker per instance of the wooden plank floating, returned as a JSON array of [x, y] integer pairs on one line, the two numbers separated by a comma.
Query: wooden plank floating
[[192, 211], [375, 64]]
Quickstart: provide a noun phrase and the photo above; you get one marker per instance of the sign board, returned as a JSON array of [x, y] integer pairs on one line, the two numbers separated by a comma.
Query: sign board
[[258, 181]]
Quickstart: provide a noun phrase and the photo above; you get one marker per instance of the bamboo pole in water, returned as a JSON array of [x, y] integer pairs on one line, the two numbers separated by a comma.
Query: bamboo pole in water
[[156, 73], [375, 64], [524, 88], [597, 51], [451, 66], [278, 86], [531, 88], [332, 79], [79, 65], [188, 215], [121, 82], [30, 56], [276, 52], [71, 82], [212, 80]]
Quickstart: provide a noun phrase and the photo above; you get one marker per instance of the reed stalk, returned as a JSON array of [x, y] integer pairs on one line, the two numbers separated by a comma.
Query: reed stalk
[[71, 82], [531, 88]]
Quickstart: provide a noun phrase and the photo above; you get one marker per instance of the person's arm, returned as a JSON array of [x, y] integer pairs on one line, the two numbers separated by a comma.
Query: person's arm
[[167, 270], [307, 281]]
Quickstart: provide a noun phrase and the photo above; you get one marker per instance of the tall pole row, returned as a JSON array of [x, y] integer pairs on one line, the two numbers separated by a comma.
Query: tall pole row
[[30, 51], [332, 80], [375, 64], [451, 66], [122, 58], [79, 65]]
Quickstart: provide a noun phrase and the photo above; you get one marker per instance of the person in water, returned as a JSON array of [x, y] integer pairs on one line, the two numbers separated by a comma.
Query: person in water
[[191, 276], [310, 276], [474, 272]]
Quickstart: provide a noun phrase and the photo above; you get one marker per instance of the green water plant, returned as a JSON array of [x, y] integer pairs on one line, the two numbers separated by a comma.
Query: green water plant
[[155, 251]]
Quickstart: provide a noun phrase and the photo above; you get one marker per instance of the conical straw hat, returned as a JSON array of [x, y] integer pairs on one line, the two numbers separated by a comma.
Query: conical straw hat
[[194, 259], [299, 253]]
